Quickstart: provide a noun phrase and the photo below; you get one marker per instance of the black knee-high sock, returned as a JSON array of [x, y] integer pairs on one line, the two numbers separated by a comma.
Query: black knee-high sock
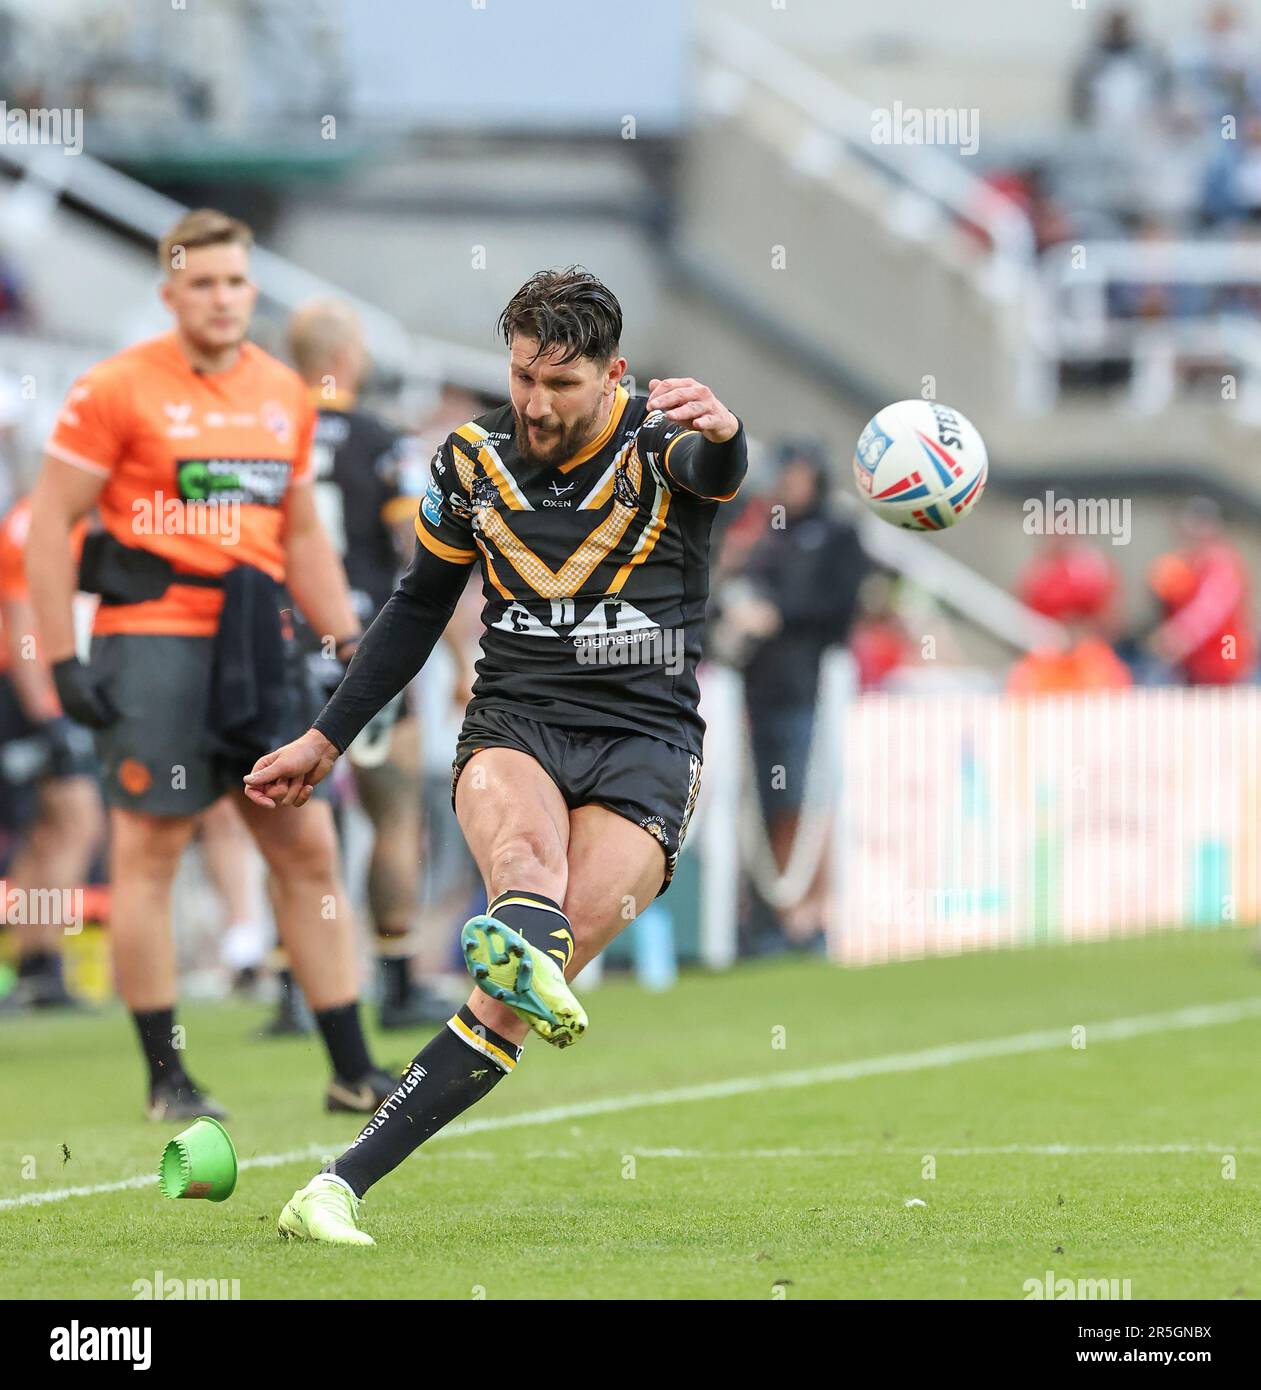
[[156, 1029], [539, 919], [456, 1068], [343, 1037], [38, 963]]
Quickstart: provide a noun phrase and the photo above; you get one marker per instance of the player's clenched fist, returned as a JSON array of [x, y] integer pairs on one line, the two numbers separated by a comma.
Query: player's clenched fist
[[288, 776], [692, 404]]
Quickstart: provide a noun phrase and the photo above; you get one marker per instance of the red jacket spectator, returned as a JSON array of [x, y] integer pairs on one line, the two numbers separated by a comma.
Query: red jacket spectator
[[1208, 630], [1075, 584], [1069, 581]]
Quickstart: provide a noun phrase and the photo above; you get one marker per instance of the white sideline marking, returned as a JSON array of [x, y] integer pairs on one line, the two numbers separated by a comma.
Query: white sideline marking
[[59, 1194], [949, 1055], [873, 1151]]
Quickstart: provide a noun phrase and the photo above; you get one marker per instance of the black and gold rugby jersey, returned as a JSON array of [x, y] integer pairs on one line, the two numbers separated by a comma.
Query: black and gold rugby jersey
[[595, 574]]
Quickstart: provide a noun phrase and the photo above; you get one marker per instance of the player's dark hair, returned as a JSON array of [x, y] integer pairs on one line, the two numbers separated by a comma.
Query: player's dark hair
[[569, 309]]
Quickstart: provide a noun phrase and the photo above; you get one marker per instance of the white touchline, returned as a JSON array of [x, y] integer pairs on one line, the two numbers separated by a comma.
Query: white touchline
[[948, 1055], [862, 1151]]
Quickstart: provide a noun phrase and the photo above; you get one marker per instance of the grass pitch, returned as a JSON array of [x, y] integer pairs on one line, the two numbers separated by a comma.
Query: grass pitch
[[757, 1134]]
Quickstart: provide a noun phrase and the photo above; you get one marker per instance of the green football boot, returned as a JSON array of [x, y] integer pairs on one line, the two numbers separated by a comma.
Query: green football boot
[[325, 1210], [504, 965]]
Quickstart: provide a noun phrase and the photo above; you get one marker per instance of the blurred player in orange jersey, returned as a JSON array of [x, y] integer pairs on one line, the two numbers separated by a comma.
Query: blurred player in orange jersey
[[48, 777], [195, 449], [1075, 584]]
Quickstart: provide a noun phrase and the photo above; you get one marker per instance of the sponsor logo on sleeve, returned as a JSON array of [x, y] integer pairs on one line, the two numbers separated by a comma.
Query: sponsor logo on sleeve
[[431, 507]]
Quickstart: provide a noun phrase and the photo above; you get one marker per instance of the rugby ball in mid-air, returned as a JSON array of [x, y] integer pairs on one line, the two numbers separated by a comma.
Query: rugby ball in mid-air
[[920, 465]]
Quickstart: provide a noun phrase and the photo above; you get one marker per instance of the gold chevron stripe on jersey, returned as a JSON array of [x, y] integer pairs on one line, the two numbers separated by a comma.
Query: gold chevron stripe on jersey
[[496, 470], [464, 466], [582, 564], [473, 433], [601, 492], [504, 592], [653, 530]]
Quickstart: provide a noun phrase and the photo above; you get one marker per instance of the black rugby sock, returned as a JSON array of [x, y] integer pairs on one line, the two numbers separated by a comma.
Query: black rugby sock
[[458, 1066], [156, 1028], [39, 963], [396, 980], [539, 919], [343, 1037]]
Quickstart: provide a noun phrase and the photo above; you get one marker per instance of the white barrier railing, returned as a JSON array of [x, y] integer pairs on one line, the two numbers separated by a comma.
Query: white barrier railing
[[1079, 323], [983, 821]]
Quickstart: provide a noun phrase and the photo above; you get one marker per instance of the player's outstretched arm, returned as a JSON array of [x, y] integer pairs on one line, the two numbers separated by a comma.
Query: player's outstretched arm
[[390, 653], [694, 438]]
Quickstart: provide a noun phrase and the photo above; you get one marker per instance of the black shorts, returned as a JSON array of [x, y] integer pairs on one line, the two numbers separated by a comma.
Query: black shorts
[[642, 779], [156, 757]]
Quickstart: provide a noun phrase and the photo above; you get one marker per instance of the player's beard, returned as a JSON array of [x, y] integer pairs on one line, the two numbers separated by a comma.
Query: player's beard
[[562, 444]]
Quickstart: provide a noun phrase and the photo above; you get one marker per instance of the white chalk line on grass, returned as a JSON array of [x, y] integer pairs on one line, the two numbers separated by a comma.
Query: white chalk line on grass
[[60, 1194], [951, 1054], [876, 1150]]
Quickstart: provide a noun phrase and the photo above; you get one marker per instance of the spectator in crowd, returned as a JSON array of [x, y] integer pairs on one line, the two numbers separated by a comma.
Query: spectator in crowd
[[1154, 299], [1215, 66], [1207, 635], [1121, 85], [1171, 168], [880, 643], [796, 597], [1075, 584], [1232, 191], [1029, 188]]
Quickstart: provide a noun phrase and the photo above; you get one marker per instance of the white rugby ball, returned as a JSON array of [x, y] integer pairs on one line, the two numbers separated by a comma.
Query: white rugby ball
[[920, 465]]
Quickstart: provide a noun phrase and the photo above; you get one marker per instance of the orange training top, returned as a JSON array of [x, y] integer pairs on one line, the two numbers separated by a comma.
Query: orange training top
[[1090, 665], [14, 527], [197, 466]]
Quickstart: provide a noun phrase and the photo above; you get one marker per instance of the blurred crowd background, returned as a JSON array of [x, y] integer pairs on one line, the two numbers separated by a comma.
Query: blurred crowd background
[[1084, 285]]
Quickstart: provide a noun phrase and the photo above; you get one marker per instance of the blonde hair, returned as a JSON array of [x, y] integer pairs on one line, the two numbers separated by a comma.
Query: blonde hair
[[204, 227], [317, 333]]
